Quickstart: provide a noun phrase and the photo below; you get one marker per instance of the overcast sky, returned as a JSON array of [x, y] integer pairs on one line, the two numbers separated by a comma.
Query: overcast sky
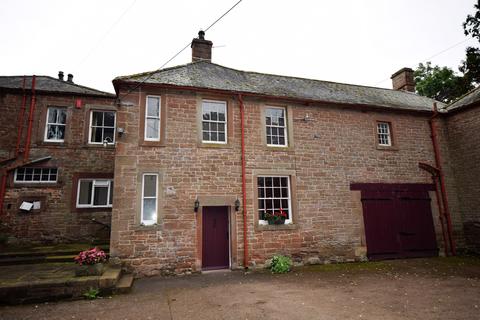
[[352, 41]]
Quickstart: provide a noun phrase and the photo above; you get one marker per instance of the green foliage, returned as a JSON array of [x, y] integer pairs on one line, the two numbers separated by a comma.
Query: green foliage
[[281, 264], [470, 67], [441, 84], [92, 293], [471, 26]]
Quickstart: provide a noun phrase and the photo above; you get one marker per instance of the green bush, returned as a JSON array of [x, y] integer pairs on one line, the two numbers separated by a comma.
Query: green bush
[[281, 264], [92, 293]]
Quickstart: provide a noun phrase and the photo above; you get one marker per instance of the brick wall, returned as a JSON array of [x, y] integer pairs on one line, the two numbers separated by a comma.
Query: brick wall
[[336, 149], [58, 220], [464, 145]]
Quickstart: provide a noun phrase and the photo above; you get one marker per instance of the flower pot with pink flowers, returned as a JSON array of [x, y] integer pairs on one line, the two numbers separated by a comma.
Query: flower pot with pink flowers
[[276, 217], [90, 262]]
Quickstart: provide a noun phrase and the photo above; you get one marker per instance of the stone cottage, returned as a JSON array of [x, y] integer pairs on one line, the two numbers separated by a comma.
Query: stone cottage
[[211, 156]]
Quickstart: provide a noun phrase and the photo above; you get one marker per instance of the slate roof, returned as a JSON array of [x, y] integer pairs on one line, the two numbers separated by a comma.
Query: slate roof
[[468, 99], [203, 74], [50, 84]]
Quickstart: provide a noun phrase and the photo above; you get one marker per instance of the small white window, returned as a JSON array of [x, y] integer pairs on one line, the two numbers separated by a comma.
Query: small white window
[[102, 127], [383, 133], [93, 193], [36, 175], [55, 126], [276, 126], [274, 196], [152, 118], [149, 198], [214, 121]]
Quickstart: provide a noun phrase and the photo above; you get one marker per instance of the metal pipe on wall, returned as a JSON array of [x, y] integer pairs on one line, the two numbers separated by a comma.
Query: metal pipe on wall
[[244, 184]]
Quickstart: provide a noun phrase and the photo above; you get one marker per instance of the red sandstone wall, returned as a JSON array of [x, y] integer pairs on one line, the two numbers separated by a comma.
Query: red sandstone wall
[[329, 153], [57, 221]]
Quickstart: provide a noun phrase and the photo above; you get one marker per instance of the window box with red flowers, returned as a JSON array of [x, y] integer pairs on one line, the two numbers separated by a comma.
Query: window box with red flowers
[[276, 217], [90, 262]]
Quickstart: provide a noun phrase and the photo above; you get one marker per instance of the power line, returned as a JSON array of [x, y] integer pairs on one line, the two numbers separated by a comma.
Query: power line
[[435, 55], [106, 33], [175, 55]]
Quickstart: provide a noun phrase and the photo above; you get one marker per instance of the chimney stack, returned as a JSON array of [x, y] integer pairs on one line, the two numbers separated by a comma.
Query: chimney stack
[[60, 75], [70, 78], [201, 48], [403, 80]]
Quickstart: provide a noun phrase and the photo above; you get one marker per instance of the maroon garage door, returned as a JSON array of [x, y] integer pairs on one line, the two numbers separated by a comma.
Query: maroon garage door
[[398, 220], [215, 248]]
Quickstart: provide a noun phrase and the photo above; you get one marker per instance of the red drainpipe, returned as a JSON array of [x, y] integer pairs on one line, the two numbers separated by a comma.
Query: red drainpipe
[[20, 119], [441, 214], [30, 122], [244, 185], [438, 161]]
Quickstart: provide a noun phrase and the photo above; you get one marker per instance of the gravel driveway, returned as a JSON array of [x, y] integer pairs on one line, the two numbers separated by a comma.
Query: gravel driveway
[[436, 288]]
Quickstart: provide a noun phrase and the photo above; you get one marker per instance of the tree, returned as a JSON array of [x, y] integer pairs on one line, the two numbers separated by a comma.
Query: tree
[[444, 84], [441, 84]]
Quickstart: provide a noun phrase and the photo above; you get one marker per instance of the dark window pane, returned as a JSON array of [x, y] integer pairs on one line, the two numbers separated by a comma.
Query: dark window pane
[[268, 193], [110, 200], [284, 203], [281, 141], [276, 182], [260, 181], [284, 192], [284, 181], [221, 116], [205, 126], [52, 115], [281, 121], [268, 120], [221, 137], [108, 134], [213, 127], [96, 135], [274, 140], [268, 181], [109, 119], [97, 118], [261, 204], [276, 204], [150, 186], [62, 116], [53, 177], [261, 192], [281, 132], [206, 136], [221, 127], [29, 171], [100, 195], [269, 140], [213, 136], [214, 116], [206, 116], [85, 192], [276, 192], [274, 131]]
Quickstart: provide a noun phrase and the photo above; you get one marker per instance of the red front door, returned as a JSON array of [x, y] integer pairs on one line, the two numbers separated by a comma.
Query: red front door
[[215, 248]]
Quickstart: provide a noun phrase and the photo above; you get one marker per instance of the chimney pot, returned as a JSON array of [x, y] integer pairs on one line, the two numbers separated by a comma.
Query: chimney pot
[[70, 78], [403, 80], [60, 75], [201, 48]]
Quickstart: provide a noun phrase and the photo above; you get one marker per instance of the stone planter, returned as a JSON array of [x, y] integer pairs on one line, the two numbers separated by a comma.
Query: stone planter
[[89, 270]]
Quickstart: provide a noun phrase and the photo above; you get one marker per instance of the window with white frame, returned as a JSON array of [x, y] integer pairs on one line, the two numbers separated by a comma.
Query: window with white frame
[[214, 121], [384, 134], [94, 193], [152, 118], [56, 123], [36, 175], [102, 127], [274, 195], [149, 198], [276, 126]]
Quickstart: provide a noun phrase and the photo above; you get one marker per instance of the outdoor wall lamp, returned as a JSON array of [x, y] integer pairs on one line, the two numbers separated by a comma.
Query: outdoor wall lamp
[[120, 131], [196, 205], [237, 205]]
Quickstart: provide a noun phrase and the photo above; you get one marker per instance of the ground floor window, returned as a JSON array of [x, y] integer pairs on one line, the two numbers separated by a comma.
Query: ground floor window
[[274, 195], [93, 193], [36, 175], [149, 198]]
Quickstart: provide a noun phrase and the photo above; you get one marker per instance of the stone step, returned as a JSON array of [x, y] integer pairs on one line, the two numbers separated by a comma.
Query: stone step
[[47, 251], [124, 284]]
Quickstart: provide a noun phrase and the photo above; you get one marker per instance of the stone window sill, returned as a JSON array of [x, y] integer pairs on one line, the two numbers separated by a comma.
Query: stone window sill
[[152, 227], [385, 148], [275, 227]]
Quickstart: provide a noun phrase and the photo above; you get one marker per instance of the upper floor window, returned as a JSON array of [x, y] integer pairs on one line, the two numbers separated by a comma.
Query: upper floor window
[[214, 121], [93, 193], [274, 197], [55, 126], [36, 175], [102, 127], [384, 134], [152, 119], [276, 126]]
